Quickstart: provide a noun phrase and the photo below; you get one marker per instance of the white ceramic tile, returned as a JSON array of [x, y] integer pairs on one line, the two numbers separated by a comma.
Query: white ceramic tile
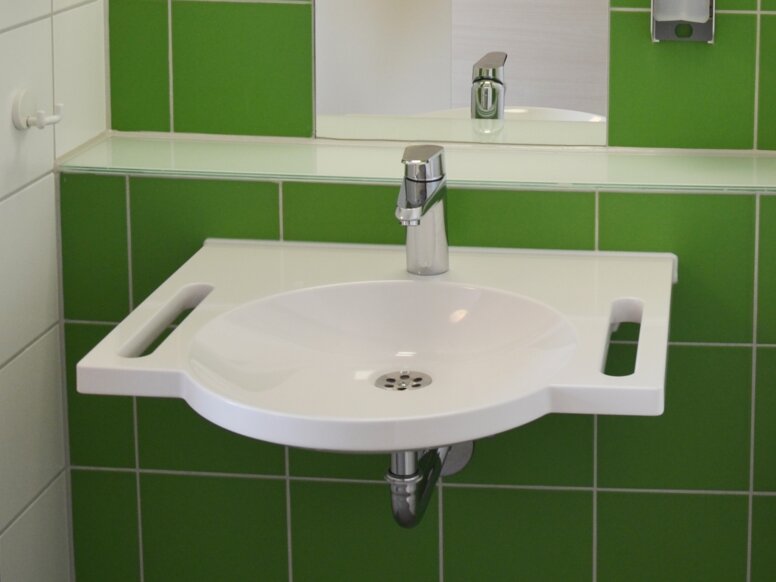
[[401, 65], [31, 426], [25, 63], [15, 12], [28, 266], [36, 548], [79, 74]]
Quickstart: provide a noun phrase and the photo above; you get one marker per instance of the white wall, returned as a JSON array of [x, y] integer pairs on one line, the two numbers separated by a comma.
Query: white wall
[[372, 58], [408, 56], [55, 49]]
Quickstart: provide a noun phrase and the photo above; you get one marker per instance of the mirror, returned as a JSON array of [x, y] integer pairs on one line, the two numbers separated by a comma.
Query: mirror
[[402, 69]]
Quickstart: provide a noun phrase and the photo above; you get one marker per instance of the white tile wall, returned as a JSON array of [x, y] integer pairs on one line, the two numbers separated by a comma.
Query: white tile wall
[[35, 548], [25, 63], [32, 448], [28, 266], [15, 12], [79, 74]]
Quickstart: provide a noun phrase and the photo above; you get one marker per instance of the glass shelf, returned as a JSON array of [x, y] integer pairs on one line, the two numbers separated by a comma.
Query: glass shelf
[[468, 165]]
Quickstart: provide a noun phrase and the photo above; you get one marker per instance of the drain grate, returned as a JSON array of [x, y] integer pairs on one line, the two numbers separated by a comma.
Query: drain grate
[[403, 380]]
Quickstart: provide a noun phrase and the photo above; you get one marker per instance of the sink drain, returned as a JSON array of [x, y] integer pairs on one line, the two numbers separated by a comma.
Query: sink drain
[[403, 380]]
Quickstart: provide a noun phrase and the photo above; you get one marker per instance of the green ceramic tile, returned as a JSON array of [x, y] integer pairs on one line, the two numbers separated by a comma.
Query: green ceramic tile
[[139, 65], [554, 450], [768, 5], [205, 529], [307, 463], [719, 4], [763, 539], [713, 236], [243, 68], [517, 535], [702, 439], [94, 247], [766, 121], [341, 213], [649, 537], [766, 309], [621, 358], [174, 437], [344, 531], [765, 421], [670, 94], [172, 218], [105, 534], [101, 427], [549, 220]]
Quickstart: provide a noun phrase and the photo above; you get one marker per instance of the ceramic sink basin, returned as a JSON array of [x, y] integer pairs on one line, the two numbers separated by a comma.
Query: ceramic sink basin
[[338, 348]]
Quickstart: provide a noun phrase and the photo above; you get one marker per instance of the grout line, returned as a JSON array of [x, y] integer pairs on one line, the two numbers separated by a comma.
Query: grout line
[[106, 27], [63, 379], [595, 498], [753, 411], [170, 71], [281, 230], [289, 538], [138, 501], [31, 502], [569, 488], [26, 185], [28, 345], [597, 222], [441, 528], [757, 77], [130, 277], [85, 322], [53, 62]]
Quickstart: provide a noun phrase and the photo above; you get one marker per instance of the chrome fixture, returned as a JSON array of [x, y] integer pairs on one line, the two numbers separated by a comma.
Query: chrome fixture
[[488, 89], [687, 20], [414, 474], [421, 208]]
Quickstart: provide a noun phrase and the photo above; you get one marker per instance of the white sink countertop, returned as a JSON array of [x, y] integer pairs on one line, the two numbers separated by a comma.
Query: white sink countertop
[[286, 342]]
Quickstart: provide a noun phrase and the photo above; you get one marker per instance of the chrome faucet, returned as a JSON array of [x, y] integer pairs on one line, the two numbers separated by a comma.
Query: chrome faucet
[[421, 208], [488, 89]]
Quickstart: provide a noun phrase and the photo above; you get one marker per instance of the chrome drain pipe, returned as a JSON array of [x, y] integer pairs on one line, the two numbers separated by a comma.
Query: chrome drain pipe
[[412, 477]]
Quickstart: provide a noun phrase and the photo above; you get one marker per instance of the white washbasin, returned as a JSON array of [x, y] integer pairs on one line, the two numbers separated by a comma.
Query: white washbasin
[[305, 345]]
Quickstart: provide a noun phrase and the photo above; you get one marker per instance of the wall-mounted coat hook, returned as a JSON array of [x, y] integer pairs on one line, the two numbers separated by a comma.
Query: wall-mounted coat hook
[[684, 20], [25, 112]]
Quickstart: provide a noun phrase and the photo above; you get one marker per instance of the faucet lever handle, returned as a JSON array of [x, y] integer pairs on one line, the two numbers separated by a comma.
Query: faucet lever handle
[[490, 66], [424, 163]]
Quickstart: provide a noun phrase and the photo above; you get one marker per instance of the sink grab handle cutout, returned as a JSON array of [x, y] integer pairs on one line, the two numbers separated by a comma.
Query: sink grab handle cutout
[[626, 310], [143, 341]]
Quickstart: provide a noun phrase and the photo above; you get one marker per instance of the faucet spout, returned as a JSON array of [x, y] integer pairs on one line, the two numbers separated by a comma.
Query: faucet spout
[[421, 208]]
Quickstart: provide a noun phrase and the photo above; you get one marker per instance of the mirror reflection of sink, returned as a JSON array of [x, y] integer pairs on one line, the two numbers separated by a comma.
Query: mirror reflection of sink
[[524, 114], [337, 347], [523, 125]]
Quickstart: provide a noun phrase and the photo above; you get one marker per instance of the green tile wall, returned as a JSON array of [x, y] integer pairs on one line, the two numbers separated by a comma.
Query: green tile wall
[[242, 68], [228, 60], [553, 500], [673, 94], [139, 70]]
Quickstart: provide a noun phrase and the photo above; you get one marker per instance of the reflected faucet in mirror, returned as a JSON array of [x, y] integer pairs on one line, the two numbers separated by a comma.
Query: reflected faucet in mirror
[[488, 88]]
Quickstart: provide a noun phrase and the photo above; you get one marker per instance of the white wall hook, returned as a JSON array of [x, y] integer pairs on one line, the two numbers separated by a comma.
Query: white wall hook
[[25, 113]]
